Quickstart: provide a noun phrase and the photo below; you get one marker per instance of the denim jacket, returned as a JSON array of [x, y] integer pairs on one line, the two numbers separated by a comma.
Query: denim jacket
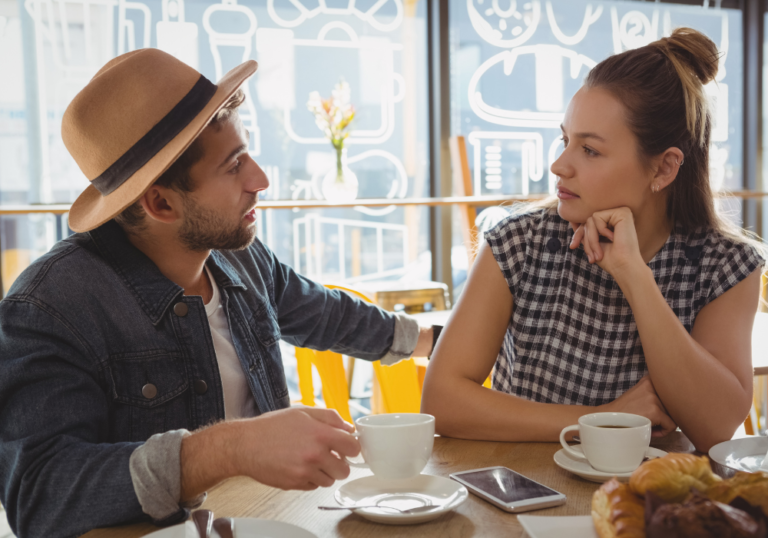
[[93, 321]]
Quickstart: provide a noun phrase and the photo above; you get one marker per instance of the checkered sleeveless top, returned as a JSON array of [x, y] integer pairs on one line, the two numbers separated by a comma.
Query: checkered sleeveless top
[[572, 338]]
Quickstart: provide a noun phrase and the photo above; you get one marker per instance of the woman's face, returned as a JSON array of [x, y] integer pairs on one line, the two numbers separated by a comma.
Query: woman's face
[[600, 167]]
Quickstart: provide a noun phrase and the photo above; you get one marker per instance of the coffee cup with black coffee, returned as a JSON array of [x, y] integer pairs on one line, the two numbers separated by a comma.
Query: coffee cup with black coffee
[[611, 442]]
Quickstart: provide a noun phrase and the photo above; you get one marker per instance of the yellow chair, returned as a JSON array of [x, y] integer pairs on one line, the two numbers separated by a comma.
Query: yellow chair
[[330, 367], [14, 261], [752, 422], [399, 385]]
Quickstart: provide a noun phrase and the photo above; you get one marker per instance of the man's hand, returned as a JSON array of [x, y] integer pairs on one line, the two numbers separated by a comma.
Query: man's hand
[[296, 448], [643, 400], [299, 448]]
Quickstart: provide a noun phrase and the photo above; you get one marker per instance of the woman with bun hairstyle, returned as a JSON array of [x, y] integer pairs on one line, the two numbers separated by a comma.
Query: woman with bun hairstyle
[[630, 293]]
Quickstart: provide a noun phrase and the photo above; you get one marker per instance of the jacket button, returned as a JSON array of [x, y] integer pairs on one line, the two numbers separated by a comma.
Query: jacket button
[[201, 387], [180, 309], [149, 391]]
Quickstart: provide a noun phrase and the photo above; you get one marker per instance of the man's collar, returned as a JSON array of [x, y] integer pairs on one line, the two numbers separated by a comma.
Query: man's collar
[[223, 272], [154, 292]]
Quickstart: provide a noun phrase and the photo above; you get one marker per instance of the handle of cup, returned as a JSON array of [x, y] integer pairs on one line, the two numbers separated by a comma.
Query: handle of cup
[[354, 463], [567, 448]]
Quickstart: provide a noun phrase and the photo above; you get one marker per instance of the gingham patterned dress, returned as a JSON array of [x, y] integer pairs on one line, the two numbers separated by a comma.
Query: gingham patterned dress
[[572, 338]]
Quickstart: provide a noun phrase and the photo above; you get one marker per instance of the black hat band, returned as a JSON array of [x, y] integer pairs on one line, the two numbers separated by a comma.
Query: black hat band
[[157, 138]]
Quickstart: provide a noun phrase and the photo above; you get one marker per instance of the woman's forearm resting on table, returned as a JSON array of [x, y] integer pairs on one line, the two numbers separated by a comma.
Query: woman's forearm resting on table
[[464, 409], [707, 395]]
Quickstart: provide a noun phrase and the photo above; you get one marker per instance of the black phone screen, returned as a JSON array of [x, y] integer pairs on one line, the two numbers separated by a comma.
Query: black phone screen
[[506, 485]]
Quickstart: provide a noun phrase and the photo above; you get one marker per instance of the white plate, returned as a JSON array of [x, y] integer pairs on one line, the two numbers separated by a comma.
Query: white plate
[[744, 454], [442, 493], [244, 528], [558, 526], [583, 469]]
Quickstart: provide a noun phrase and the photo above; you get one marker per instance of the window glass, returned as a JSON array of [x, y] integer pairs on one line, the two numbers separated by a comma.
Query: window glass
[[378, 48], [764, 231], [516, 64]]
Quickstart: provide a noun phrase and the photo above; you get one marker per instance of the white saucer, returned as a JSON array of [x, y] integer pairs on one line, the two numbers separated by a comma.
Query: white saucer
[[558, 526], [244, 528], [583, 469], [744, 454], [442, 493]]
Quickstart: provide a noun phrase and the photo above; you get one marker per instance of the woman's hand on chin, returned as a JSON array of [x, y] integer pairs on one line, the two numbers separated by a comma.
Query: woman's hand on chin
[[621, 251], [643, 400]]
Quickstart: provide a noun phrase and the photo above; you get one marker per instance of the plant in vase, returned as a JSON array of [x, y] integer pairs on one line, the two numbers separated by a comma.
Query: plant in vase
[[333, 116]]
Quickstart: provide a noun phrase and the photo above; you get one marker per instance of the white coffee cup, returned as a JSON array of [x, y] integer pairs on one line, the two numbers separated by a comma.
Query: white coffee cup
[[397, 445], [611, 442]]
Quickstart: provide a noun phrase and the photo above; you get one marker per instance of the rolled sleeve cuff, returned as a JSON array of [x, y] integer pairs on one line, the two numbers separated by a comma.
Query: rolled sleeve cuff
[[156, 475], [404, 341]]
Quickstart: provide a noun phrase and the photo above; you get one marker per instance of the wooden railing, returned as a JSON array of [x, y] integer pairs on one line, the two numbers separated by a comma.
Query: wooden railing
[[475, 201], [58, 209]]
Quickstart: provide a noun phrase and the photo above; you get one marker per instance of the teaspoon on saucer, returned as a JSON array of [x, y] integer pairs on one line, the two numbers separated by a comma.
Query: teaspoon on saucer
[[416, 510]]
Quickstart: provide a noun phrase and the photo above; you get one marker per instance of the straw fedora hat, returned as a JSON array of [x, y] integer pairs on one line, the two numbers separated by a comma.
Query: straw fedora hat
[[132, 121]]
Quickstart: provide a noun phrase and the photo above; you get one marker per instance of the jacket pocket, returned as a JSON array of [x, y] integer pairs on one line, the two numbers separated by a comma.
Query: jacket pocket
[[146, 387], [264, 325]]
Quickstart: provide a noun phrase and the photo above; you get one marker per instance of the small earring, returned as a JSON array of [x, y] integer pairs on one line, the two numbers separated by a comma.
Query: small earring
[[681, 163], [655, 189]]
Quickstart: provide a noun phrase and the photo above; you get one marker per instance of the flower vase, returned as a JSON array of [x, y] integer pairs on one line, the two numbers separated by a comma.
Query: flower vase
[[340, 183]]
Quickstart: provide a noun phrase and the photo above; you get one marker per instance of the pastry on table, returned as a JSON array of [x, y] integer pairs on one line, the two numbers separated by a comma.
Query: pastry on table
[[752, 487], [699, 517], [673, 477], [617, 512]]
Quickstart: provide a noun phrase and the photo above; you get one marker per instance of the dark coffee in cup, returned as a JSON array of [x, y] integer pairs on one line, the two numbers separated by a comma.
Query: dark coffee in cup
[[614, 426], [611, 442]]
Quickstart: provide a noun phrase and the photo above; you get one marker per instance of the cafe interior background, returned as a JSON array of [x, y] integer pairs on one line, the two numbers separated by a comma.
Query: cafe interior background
[[419, 72]]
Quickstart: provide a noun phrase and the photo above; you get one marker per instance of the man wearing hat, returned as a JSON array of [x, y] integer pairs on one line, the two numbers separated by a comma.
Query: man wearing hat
[[162, 317]]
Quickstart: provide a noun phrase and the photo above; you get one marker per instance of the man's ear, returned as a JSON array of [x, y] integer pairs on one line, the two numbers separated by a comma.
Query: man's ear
[[162, 204], [669, 164]]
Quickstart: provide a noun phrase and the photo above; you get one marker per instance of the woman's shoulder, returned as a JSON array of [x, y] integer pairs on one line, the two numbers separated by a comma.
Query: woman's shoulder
[[713, 262], [529, 223], [714, 248], [517, 240]]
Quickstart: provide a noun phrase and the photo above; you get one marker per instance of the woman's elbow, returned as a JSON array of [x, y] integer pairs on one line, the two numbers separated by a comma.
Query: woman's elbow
[[711, 435], [431, 404], [434, 402], [704, 443]]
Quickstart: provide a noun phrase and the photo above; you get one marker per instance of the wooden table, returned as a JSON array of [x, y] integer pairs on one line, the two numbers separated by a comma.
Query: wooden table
[[242, 497]]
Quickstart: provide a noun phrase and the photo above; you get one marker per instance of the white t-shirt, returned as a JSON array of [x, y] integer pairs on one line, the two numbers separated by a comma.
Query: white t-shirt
[[238, 399]]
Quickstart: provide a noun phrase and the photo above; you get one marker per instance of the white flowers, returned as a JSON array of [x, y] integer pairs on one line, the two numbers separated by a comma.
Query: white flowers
[[333, 116]]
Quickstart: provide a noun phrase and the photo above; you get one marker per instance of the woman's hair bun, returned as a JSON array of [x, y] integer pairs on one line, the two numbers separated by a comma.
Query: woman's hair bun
[[693, 49]]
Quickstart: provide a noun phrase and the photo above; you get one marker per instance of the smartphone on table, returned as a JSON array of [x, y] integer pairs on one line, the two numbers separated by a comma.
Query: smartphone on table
[[509, 490]]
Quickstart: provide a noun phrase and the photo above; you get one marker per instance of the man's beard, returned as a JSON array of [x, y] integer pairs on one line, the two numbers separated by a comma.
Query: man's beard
[[204, 229]]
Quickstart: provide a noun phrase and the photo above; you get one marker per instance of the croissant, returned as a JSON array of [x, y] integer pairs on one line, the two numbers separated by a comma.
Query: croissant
[[673, 476], [617, 512], [752, 487]]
